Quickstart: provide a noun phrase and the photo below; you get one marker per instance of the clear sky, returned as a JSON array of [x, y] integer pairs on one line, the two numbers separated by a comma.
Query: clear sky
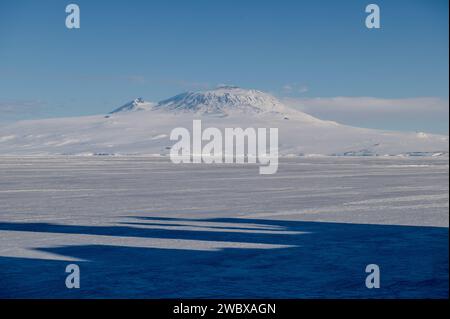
[[297, 50]]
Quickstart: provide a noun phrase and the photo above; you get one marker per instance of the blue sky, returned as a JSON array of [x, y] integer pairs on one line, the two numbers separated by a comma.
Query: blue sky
[[297, 50]]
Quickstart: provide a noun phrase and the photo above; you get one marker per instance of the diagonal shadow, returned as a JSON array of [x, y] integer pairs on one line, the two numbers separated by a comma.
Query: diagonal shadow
[[128, 231], [225, 228], [328, 261]]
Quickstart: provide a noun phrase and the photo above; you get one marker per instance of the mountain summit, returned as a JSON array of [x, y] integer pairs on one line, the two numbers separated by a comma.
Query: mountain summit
[[223, 100]]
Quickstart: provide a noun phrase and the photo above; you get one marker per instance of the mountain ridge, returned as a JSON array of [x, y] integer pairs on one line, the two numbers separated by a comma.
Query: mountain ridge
[[137, 104]]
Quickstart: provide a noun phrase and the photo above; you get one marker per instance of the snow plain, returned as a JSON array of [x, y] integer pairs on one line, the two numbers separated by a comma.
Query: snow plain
[[85, 190], [142, 227]]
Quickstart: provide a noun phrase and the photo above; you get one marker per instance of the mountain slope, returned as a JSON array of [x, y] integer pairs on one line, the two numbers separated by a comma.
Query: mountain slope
[[136, 105], [141, 127]]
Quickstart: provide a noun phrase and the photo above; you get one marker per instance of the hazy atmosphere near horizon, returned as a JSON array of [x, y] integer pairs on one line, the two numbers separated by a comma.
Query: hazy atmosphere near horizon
[[241, 149]]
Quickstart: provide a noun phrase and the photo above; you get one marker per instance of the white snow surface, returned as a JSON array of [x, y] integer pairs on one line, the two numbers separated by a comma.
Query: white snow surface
[[143, 227], [143, 128]]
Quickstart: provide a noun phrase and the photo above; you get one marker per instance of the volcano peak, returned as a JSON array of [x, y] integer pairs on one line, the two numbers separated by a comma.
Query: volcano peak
[[223, 100]]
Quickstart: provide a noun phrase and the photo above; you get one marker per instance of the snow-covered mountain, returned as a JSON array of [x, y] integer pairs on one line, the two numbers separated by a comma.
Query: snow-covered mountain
[[221, 102], [141, 127]]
